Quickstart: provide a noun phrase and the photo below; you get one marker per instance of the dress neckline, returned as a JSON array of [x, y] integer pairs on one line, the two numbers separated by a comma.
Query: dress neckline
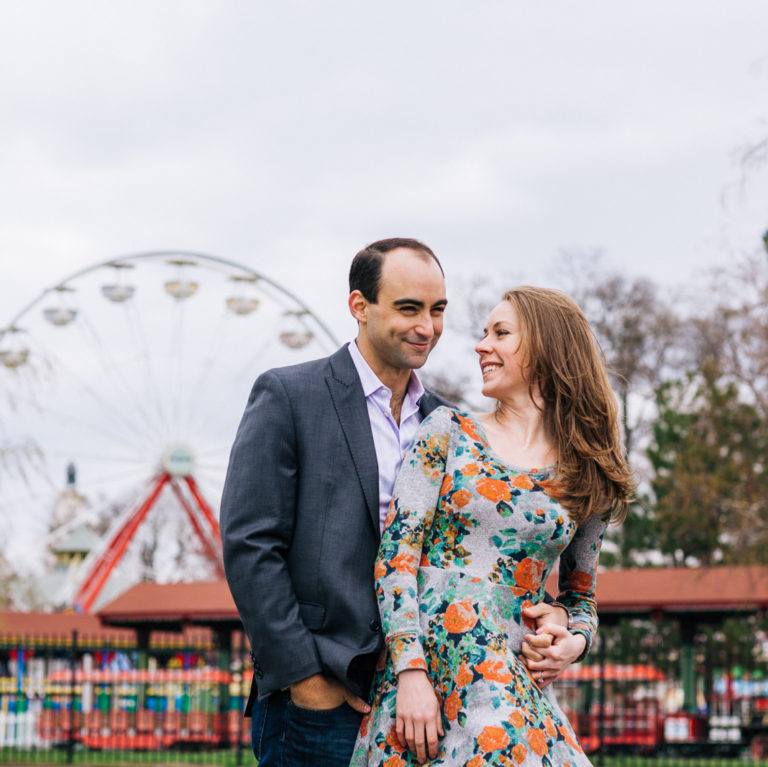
[[533, 471]]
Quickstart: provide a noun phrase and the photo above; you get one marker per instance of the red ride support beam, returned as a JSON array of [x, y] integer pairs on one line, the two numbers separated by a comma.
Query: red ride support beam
[[204, 507], [210, 550], [118, 546]]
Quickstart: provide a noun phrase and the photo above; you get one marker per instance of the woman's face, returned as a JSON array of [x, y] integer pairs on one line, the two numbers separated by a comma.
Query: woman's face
[[500, 353]]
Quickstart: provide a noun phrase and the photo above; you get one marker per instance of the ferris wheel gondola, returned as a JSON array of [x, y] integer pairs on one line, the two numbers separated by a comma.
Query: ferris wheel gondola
[[137, 369]]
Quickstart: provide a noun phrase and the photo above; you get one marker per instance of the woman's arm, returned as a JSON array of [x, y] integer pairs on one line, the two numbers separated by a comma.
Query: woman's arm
[[553, 648], [578, 577], [415, 496], [414, 499]]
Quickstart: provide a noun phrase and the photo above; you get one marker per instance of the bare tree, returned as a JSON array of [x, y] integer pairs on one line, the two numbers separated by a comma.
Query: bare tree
[[636, 327]]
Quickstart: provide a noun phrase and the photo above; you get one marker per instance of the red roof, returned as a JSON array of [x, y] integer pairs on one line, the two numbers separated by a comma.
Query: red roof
[[201, 602], [680, 589], [666, 589]]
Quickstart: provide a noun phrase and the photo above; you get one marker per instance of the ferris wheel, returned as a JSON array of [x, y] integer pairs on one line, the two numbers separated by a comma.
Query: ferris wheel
[[136, 370]]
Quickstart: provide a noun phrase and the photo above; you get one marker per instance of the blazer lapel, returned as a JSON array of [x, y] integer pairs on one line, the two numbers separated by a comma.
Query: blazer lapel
[[352, 411], [429, 402]]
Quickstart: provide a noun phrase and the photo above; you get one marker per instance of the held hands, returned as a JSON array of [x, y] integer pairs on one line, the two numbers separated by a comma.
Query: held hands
[[419, 721], [321, 693], [552, 648]]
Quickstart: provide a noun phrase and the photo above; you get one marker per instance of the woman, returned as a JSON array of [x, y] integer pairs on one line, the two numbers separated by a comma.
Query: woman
[[483, 507]]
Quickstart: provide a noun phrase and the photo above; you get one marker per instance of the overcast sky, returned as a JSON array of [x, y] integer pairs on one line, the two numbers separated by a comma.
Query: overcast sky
[[286, 135]]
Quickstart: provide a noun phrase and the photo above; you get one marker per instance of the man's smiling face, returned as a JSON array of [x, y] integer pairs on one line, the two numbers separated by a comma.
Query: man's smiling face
[[406, 321]]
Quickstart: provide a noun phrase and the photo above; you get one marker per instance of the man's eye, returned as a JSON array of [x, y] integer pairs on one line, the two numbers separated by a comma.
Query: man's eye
[[408, 309]]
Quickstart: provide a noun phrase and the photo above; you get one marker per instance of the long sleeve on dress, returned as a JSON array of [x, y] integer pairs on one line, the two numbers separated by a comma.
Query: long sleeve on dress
[[411, 512], [578, 571]]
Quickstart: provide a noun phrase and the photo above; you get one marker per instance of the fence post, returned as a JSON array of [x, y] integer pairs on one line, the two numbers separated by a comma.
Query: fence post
[[241, 658], [601, 703], [72, 683]]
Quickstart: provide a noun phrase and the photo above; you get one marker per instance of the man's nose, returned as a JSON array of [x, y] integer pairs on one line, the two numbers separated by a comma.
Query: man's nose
[[425, 328]]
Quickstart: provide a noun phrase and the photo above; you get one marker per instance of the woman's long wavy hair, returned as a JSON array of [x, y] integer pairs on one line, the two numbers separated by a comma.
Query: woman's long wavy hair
[[565, 366]]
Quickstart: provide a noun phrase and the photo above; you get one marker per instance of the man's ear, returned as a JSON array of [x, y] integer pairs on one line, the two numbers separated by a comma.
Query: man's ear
[[358, 306]]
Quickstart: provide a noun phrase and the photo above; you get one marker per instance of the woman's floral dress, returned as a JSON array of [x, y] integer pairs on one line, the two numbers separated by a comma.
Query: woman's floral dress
[[469, 542]]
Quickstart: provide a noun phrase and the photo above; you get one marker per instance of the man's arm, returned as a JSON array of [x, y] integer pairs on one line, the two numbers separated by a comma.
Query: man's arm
[[257, 522]]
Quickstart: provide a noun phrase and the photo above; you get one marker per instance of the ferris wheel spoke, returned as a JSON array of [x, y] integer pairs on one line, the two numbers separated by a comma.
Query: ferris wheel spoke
[[212, 407], [176, 353], [117, 417], [207, 366], [140, 340], [115, 458], [108, 365], [106, 479], [69, 420], [111, 368], [251, 363]]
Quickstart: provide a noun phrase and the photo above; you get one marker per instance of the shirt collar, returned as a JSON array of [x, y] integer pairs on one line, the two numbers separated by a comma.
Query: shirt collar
[[371, 382]]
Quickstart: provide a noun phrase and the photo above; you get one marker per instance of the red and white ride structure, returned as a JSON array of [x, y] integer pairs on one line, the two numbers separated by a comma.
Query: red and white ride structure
[[137, 370]]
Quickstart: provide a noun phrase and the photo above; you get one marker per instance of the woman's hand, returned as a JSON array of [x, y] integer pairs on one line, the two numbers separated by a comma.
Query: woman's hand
[[419, 719], [563, 650]]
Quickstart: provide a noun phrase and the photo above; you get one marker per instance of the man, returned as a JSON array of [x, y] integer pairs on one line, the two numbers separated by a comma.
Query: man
[[309, 481]]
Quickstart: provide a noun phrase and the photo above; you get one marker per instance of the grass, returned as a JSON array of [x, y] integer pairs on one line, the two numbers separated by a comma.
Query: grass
[[46, 757]]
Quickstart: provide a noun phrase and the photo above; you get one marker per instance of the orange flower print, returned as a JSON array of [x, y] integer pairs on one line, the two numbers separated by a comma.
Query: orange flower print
[[392, 740], [447, 485], [461, 497], [516, 719], [404, 563], [452, 706], [464, 676], [537, 740], [519, 752], [492, 738], [523, 481], [495, 671], [417, 663], [569, 739], [578, 580], [391, 514], [549, 726], [395, 761], [379, 570], [468, 427], [470, 470], [528, 574], [493, 489], [460, 617], [364, 725], [476, 761]]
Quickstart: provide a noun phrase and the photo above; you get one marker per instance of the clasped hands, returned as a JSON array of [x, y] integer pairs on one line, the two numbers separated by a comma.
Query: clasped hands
[[552, 648], [546, 653]]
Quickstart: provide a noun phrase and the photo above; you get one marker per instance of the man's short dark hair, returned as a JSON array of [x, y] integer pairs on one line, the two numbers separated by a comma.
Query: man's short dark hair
[[365, 272]]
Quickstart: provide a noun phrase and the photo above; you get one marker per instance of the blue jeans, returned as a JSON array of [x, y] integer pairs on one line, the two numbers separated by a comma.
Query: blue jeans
[[285, 735]]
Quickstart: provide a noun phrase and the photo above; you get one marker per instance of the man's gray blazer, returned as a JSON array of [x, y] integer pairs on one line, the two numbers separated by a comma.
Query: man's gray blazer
[[300, 525]]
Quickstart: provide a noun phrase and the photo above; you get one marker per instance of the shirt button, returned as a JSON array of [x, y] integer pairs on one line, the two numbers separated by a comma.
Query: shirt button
[[375, 624]]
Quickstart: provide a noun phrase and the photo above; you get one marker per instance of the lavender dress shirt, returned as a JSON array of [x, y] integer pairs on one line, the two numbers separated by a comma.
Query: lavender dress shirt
[[390, 440]]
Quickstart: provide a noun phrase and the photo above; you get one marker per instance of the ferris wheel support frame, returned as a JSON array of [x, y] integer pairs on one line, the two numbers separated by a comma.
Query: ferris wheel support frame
[[97, 577]]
